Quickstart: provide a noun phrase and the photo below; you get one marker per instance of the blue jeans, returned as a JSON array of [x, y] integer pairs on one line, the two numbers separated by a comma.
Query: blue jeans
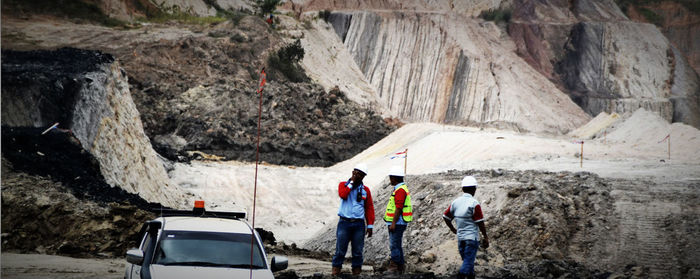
[[467, 249], [395, 239], [349, 232]]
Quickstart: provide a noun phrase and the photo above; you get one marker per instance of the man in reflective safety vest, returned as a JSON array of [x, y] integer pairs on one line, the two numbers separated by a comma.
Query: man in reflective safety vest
[[399, 213]]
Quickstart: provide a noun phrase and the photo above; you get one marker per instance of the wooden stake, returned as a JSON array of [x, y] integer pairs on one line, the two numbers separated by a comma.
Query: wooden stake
[[582, 153], [669, 146]]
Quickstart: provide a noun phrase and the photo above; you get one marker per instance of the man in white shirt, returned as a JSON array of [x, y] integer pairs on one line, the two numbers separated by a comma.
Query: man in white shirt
[[467, 212]]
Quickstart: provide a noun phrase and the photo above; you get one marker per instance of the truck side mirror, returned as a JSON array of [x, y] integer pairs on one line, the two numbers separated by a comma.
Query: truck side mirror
[[134, 256], [279, 263]]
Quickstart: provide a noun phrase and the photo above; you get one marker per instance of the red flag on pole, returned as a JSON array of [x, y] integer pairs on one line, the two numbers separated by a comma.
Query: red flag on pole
[[664, 139], [262, 80]]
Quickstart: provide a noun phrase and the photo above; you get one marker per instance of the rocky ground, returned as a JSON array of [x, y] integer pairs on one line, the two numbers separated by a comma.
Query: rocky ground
[[541, 224], [558, 224], [43, 215]]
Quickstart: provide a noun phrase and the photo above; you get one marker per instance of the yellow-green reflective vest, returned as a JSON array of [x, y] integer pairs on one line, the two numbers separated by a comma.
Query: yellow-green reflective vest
[[407, 208]]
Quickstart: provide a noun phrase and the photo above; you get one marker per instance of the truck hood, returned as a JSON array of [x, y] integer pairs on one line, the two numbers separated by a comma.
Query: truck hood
[[189, 272]]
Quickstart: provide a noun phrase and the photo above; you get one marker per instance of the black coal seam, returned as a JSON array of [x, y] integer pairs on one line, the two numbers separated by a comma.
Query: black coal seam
[[59, 156]]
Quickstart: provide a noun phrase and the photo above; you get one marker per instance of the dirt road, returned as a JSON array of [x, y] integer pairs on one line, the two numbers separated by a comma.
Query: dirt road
[[48, 266]]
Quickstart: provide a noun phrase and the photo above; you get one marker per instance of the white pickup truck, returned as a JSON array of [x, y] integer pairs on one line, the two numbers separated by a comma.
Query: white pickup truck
[[200, 244]]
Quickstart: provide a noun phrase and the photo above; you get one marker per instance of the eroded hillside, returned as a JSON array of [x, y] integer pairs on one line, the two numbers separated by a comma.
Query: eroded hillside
[[424, 68], [194, 87]]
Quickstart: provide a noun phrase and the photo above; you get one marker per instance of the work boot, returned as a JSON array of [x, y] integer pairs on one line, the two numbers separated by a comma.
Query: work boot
[[471, 276], [401, 268], [393, 267], [335, 271], [356, 270]]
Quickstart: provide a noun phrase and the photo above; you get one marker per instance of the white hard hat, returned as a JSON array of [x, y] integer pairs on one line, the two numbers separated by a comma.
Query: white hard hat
[[396, 171], [468, 181], [362, 167]]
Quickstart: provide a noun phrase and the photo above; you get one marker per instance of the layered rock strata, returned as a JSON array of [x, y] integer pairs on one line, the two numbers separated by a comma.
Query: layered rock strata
[[445, 68], [604, 61]]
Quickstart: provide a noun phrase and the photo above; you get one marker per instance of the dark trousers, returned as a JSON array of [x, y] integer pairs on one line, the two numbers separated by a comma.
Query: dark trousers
[[467, 250], [395, 239], [345, 233]]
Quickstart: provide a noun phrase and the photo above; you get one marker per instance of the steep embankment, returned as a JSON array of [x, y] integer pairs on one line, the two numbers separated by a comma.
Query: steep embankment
[[80, 189], [604, 61], [87, 94], [442, 67], [678, 20]]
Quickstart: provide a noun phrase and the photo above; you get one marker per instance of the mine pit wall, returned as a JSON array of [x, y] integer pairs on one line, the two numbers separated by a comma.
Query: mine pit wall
[[429, 67], [96, 106], [614, 71], [604, 61]]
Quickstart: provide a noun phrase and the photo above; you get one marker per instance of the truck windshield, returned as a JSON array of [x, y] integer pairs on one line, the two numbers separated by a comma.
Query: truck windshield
[[208, 249]]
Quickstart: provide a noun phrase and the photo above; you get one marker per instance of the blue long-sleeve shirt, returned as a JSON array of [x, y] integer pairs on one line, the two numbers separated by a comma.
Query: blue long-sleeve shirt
[[350, 207]]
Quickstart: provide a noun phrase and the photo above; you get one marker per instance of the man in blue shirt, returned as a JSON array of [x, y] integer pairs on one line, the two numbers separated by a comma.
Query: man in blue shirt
[[466, 210], [356, 207]]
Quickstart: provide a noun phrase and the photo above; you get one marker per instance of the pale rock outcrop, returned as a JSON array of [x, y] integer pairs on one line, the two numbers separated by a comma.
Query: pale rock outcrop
[[464, 7], [129, 10], [196, 7], [327, 60], [680, 25], [91, 99], [605, 62], [447, 68], [685, 91]]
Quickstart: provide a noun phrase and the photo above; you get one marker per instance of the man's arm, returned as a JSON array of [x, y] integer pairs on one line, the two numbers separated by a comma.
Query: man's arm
[[447, 216], [369, 212], [478, 218], [485, 239], [343, 190]]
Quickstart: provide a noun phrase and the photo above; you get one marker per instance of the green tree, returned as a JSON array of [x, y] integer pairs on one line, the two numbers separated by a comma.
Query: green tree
[[265, 7]]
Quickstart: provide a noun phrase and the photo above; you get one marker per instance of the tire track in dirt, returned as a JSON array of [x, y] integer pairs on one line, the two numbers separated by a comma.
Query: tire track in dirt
[[647, 214]]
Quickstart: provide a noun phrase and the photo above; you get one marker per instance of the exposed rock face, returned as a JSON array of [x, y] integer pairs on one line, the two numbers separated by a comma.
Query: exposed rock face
[[87, 93], [465, 7], [607, 68], [131, 9], [605, 62], [445, 68], [685, 92], [680, 25]]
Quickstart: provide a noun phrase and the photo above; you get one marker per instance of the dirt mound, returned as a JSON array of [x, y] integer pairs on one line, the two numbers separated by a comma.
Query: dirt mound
[[55, 201], [42, 215], [532, 216], [646, 130], [198, 93], [551, 224], [301, 124]]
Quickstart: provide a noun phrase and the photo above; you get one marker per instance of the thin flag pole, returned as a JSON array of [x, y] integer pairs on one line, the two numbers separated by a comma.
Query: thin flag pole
[[257, 159], [405, 161]]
